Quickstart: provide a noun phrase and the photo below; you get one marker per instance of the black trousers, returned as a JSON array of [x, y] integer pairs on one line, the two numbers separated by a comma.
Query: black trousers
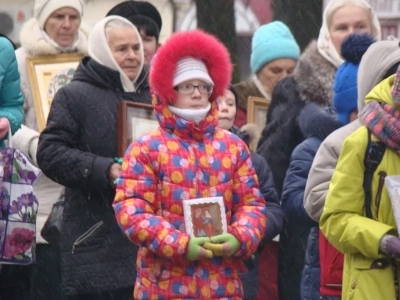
[[40, 281], [45, 280], [121, 294], [15, 282]]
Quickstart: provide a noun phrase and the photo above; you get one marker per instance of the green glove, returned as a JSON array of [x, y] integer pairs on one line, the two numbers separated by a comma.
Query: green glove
[[223, 245], [195, 249]]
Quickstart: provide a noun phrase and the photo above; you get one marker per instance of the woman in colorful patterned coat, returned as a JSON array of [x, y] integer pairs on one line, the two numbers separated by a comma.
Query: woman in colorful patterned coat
[[187, 157]]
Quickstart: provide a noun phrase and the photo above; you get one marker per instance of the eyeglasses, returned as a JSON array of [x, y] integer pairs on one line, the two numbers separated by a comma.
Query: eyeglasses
[[187, 89]]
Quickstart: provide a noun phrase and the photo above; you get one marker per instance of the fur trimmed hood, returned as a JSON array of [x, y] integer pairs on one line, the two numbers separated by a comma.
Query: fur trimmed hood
[[314, 77], [35, 45], [196, 44], [314, 121]]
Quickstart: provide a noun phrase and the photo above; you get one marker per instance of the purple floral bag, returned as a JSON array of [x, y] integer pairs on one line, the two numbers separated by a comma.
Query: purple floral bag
[[18, 207]]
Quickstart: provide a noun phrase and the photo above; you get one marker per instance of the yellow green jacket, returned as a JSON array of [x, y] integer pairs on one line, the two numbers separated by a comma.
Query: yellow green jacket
[[367, 273]]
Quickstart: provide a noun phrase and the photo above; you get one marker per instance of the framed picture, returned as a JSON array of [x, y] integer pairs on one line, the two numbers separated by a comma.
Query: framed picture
[[134, 120], [257, 108], [205, 217], [47, 74]]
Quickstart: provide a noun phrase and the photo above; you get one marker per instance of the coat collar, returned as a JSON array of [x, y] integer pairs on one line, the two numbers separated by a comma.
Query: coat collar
[[314, 77], [35, 45], [245, 88]]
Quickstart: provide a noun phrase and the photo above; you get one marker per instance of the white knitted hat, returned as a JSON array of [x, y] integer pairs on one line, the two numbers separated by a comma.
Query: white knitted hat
[[189, 68], [44, 8]]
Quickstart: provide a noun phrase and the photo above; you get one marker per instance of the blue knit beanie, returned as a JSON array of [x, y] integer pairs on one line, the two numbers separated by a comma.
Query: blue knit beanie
[[345, 84], [270, 42]]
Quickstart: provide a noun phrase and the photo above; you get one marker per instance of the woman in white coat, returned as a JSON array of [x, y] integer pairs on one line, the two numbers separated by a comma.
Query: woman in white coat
[[56, 28]]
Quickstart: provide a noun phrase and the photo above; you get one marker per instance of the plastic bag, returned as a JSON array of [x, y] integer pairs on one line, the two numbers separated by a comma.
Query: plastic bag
[[18, 207]]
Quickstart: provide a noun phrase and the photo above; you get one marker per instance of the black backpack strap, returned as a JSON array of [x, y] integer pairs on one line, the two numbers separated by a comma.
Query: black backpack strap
[[372, 159]]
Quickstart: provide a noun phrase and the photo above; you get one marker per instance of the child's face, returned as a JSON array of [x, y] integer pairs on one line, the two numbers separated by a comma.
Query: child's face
[[227, 110], [189, 98]]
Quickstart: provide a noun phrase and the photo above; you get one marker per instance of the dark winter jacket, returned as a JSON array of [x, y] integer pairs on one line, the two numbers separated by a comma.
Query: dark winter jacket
[[281, 133], [76, 149], [310, 278], [266, 182], [315, 125], [274, 211], [312, 81]]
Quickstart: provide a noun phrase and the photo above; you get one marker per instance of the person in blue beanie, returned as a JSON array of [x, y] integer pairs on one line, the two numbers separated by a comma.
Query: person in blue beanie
[[345, 84], [274, 56], [274, 52]]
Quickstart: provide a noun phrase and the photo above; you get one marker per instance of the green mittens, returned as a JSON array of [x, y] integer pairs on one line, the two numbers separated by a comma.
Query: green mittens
[[195, 249], [220, 245], [223, 245]]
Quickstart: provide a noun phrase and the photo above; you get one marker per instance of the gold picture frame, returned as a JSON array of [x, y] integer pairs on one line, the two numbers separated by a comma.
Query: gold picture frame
[[257, 109], [47, 74], [134, 120]]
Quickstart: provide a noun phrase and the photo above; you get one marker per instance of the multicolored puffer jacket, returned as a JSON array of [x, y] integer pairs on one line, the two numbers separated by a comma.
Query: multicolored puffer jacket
[[183, 160]]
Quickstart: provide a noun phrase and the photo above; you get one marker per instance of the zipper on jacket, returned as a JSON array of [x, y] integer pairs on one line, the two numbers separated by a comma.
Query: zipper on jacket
[[86, 235], [382, 176]]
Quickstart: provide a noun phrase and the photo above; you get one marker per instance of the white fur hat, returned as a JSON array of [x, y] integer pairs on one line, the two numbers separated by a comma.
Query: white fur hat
[[44, 8]]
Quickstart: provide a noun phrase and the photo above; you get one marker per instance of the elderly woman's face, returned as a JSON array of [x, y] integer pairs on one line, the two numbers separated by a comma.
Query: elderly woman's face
[[125, 47], [62, 26], [347, 20]]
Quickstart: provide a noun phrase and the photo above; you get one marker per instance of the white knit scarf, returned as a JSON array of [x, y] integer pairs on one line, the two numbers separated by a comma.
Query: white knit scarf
[[194, 115]]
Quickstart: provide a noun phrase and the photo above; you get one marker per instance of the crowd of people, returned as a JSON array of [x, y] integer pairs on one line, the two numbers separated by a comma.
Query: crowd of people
[[308, 215]]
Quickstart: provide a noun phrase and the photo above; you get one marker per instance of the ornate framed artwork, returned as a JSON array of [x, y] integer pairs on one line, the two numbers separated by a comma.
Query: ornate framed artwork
[[205, 217], [257, 109], [47, 74], [134, 120]]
